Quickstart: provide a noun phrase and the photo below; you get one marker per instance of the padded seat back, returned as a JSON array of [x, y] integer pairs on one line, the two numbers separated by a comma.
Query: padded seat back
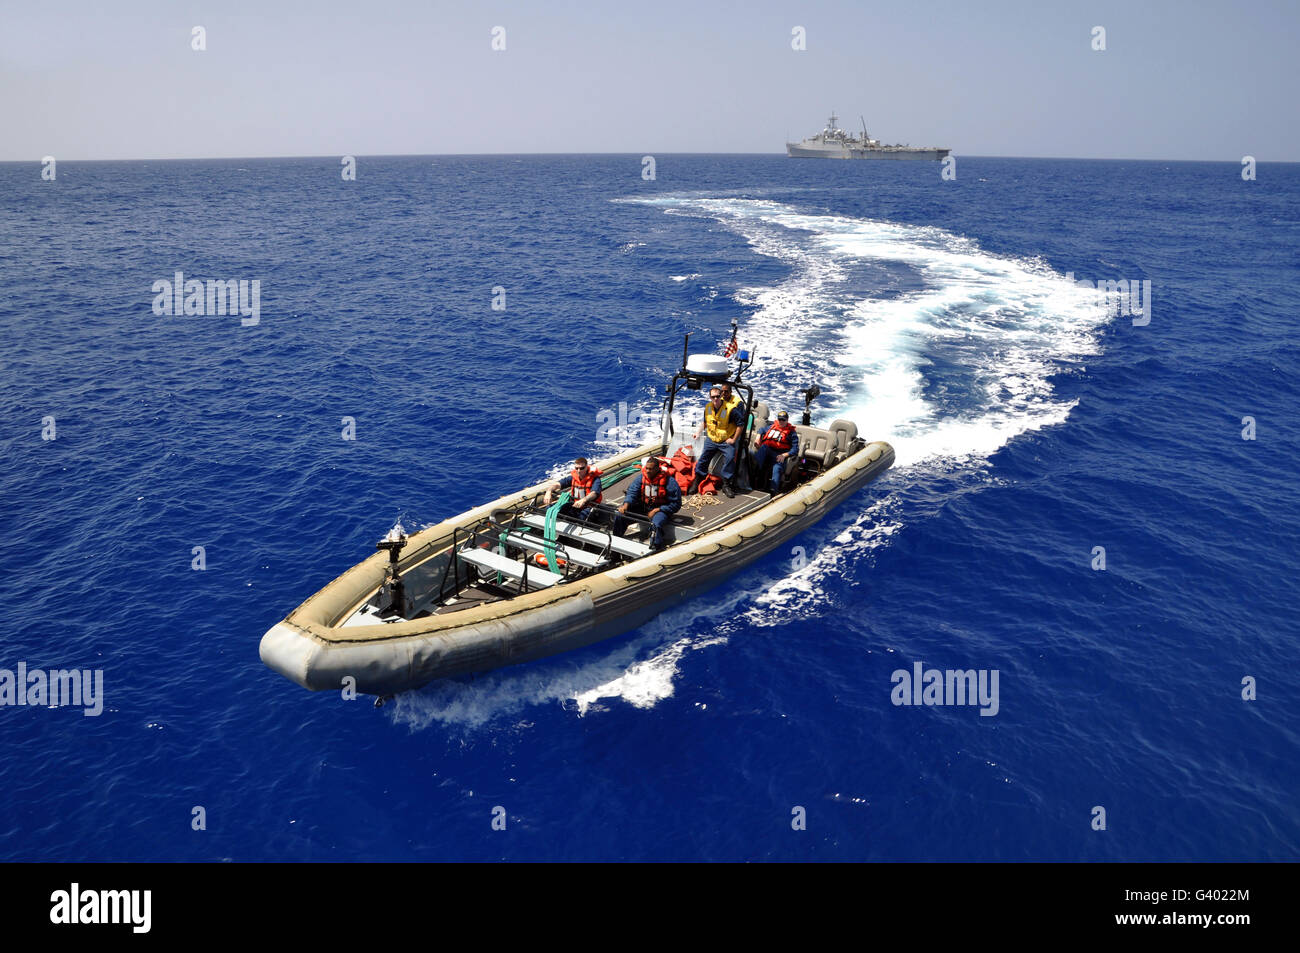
[[817, 446], [845, 431]]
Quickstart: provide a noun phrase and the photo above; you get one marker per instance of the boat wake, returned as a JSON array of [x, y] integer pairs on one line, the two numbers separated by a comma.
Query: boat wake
[[942, 349]]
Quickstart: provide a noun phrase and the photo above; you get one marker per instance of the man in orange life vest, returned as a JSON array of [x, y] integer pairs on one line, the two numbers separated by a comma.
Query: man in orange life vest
[[779, 443], [584, 487], [655, 494]]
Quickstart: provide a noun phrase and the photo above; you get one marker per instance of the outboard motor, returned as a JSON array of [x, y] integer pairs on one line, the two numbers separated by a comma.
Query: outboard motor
[[394, 542]]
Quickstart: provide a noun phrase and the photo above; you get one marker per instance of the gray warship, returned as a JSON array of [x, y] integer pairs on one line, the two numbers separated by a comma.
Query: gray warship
[[834, 143]]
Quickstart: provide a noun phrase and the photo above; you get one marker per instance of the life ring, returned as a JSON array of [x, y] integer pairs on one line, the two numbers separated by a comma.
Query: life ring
[[540, 559]]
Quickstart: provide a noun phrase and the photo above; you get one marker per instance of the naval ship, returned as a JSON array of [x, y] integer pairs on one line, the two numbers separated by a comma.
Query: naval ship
[[834, 143]]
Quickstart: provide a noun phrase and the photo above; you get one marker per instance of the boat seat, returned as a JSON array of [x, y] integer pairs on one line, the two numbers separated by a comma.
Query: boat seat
[[487, 560], [845, 431], [579, 557], [818, 446], [620, 545], [761, 423]]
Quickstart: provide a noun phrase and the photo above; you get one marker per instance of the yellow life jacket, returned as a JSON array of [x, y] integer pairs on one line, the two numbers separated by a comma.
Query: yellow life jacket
[[717, 423]]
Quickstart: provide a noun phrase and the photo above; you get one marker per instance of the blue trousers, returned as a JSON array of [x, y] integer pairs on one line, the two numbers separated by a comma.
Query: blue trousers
[[763, 457], [657, 521], [728, 451], [587, 515]]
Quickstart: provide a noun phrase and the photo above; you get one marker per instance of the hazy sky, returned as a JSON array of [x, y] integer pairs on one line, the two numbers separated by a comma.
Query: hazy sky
[[1177, 80]]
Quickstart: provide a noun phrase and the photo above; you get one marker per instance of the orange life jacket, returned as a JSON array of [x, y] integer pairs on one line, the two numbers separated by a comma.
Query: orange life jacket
[[654, 491], [683, 467], [778, 436], [579, 489]]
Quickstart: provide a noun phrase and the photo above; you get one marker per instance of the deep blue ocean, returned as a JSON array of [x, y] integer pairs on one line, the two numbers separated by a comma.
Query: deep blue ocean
[[1037, 423]]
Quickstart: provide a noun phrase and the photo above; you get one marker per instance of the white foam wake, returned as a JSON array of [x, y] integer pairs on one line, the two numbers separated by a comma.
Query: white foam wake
[[1009, 323]]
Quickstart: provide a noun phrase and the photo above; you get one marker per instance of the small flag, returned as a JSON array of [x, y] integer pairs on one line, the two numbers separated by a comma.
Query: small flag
[[732, 346]]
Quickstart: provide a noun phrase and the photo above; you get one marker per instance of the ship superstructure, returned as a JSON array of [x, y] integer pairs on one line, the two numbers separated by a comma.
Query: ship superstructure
[[835, 143]]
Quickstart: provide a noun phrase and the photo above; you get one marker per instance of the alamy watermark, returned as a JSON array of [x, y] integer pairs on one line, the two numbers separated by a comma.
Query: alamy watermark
[[56, 688], [635, 424], [75, 905], [217, 297], [1125, 297], [931, 686]]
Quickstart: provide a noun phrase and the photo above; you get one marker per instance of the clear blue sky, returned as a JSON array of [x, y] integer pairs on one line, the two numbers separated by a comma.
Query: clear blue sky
[[1178, 80]]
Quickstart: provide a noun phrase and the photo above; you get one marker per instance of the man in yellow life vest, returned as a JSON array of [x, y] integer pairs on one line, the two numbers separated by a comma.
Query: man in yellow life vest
[[729, 400], [724, 424]]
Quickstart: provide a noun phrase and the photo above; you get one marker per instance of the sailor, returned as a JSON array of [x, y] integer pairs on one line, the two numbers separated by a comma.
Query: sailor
[[729, 400], [653, 494], [584, 487], [778, 444], [724, 425]]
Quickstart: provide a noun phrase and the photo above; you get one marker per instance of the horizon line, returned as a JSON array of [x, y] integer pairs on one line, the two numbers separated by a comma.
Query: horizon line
[[454, 155]]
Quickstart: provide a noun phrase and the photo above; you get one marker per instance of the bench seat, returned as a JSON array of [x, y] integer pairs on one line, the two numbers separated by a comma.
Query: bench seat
[[487, 560], [620, 544], [579, 557]]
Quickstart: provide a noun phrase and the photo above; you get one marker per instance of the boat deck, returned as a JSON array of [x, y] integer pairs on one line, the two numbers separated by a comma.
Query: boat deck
[[699, 512], [584, 546]]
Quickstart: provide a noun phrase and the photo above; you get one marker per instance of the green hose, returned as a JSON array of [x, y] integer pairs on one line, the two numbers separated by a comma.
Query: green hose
[[549, 533], [501, 549]]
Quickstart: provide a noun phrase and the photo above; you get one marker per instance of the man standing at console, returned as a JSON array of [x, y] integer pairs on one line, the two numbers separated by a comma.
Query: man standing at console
[[724, 424]]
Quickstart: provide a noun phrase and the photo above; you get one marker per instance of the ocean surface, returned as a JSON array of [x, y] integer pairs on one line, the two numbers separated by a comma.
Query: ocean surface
[[1042, 432]]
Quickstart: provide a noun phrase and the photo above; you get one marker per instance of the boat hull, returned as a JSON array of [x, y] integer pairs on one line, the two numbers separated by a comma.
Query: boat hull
[[312, 647], [834, 151]]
